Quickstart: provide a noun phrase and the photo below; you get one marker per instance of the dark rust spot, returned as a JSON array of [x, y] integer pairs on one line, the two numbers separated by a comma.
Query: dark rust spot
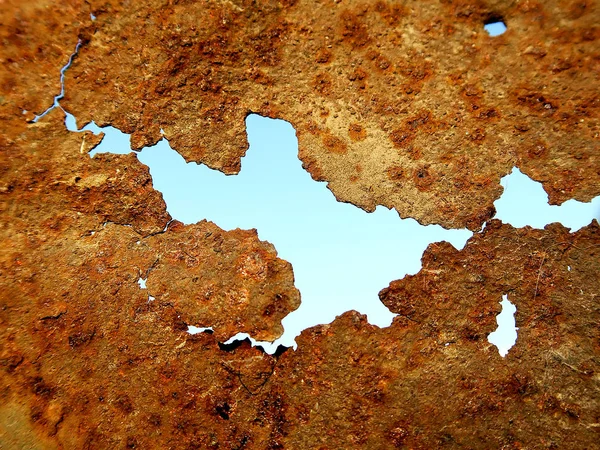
[[357, 132], [41, 388], [424, 177], [334, 144], [396, 173], [323, 84], [323, 56], [223, 410], [536, 102]]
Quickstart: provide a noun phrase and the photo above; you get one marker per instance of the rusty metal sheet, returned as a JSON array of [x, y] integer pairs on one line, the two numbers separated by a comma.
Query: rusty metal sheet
[[382, 96], [403, 104]]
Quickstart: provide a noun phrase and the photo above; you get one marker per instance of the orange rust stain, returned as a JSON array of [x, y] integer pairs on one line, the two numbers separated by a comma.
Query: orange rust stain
[[379, 61], [414, 153], [424, 177], [395, 173], [355, 177], [391, 14], [416, 72], [311, 127], [353, 30], [323, 84], [357, 132], [477, 136], [334, 144], [358, 77], [323, 56], [402, 136]]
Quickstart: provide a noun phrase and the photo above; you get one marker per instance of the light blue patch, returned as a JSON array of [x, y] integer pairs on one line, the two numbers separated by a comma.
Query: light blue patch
[[525, 203], [495, 28], [341, 255], [505, 336]]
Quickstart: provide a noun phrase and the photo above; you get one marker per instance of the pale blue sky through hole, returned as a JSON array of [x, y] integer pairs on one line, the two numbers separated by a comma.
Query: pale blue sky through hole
[[505, 336], [524, 202], [495, 28], [341, 256]]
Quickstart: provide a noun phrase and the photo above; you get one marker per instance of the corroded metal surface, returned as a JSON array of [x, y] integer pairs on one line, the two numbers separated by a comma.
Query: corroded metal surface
[[110, 370], [432, 380], [87, 361], [405, 104], [37, 38], [99, 220], [80, 340]]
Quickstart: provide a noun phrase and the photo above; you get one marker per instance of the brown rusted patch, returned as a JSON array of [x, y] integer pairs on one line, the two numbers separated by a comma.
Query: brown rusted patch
[[323, 56], [536, 102], [416, 72], [420, 122], [392, 14], [424, 177], [353, 30], [334, 144], [444, 325], [322, 84], [357, 132], [384, 63], [477, 135], [396, 174], [538, 150], [260, 77], [415, 153], [358, 77], [88, 362], [379, 61], [142, 381]]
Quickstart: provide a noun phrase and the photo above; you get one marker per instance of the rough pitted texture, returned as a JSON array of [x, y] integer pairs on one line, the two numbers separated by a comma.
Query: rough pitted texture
[[86, 361], [88, 370], [432, 380], [411, 105], [90, 228], [229, 281], [37, 38]]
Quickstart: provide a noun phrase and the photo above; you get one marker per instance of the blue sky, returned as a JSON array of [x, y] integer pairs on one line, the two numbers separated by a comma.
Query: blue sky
[[495, 28], [341, 256]]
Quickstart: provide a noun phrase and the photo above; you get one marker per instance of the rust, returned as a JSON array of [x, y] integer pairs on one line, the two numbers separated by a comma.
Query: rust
[[412, 106], [357, 132], [334, 144]]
